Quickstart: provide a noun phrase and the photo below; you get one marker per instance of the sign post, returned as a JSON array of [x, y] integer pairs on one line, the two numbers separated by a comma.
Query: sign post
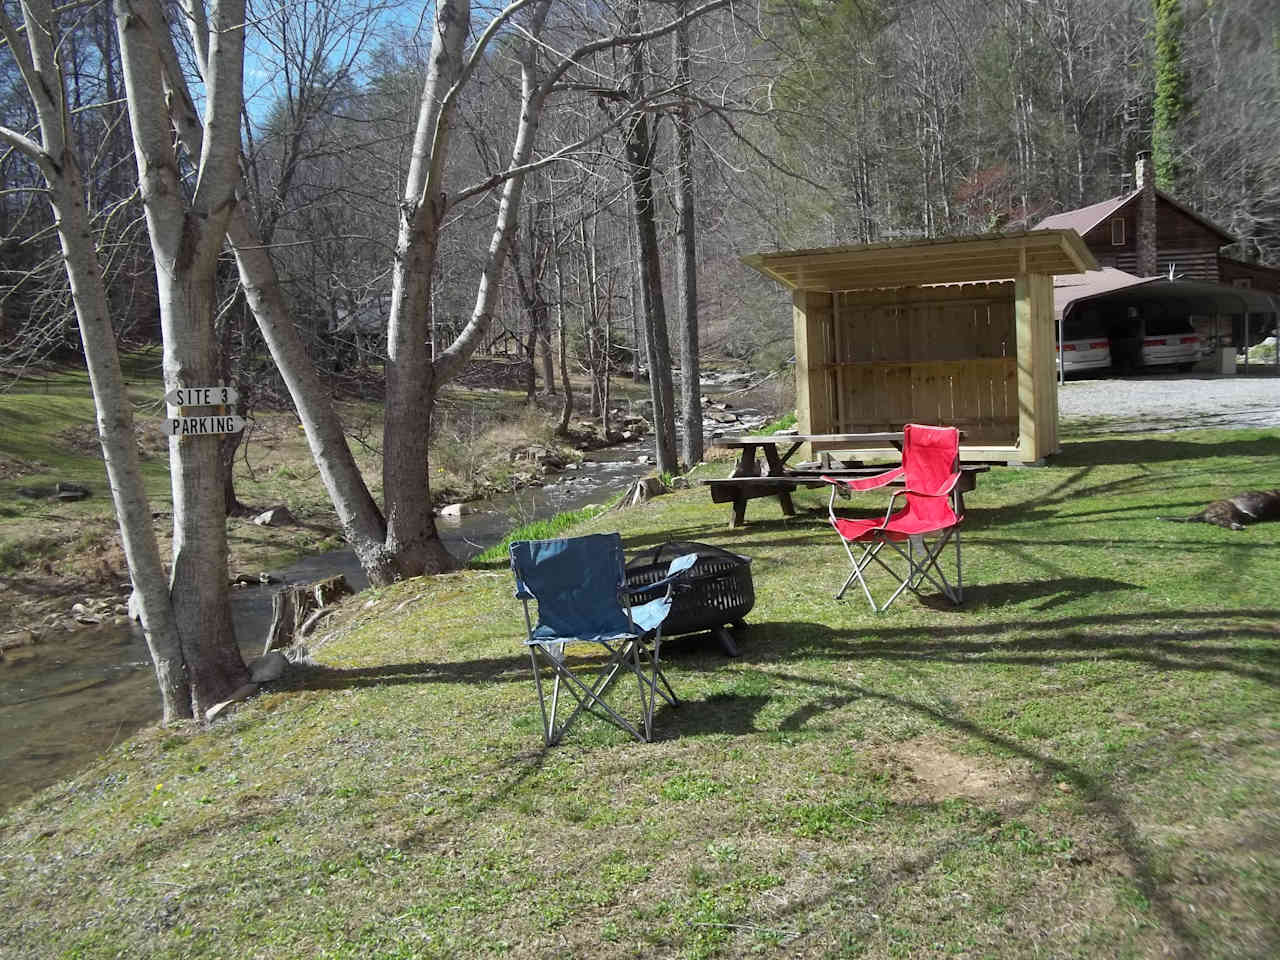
[[203, 426], [201, 396], [217, 396]]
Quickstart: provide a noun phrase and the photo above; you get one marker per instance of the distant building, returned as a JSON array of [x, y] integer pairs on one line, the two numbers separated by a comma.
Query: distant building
[[1148, 238], [1149, 233]]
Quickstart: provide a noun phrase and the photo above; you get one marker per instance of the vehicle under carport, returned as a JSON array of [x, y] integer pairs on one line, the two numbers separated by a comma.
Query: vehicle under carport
[[1226, 319]]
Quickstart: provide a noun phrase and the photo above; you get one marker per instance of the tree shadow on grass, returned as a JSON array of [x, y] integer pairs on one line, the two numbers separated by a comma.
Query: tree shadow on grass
[[1175, 640], [1121, 451], [1093, 791], [1170, 643], [1051, 593], [723, 713], [1178, 640], [486, 670]]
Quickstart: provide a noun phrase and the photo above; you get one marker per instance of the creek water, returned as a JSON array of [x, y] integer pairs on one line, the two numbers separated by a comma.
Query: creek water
[[66, 701]]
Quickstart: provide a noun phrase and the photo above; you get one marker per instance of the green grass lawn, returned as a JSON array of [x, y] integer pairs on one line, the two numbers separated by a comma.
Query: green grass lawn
[[1080, 761]]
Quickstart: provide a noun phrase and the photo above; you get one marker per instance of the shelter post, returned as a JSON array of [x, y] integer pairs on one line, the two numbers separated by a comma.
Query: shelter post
[[1037, 378], [812, 314]]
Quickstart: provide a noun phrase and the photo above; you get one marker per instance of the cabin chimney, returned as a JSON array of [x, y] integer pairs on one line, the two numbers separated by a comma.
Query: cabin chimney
[[1145, 225]]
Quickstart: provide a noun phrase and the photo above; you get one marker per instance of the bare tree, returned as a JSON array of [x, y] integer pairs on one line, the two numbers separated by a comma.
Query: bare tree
[[640, 147], [411, 545], [187, 227], [186, 663], [687, 260]]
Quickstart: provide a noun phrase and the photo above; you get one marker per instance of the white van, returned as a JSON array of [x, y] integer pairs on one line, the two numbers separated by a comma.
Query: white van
[[1170, 341], [1085, 344]]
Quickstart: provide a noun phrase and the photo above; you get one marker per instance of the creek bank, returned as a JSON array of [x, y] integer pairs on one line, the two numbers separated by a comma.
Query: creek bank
[[74, 691]]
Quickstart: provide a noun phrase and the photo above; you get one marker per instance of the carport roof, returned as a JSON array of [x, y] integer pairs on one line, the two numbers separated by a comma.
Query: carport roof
[[909, 263], [1204, 296]]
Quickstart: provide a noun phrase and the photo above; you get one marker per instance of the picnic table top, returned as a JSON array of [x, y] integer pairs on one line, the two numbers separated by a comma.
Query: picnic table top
[[781, 438]]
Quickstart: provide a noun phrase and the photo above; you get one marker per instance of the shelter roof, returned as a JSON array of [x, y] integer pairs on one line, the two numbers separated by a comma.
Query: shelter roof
[[1084, 219], [909, 263]]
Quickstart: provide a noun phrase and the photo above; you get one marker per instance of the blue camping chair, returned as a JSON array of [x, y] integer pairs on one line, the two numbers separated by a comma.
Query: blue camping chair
[[580, 586]]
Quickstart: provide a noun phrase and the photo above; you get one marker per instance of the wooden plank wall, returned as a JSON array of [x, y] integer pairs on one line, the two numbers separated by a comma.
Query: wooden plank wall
[[815, 343], [942, 355]]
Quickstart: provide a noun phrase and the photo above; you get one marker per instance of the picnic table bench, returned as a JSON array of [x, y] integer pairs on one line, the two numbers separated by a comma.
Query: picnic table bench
[[778, 479]]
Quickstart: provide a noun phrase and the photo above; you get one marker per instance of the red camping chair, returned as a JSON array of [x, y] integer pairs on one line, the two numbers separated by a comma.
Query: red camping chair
[[927, 521]]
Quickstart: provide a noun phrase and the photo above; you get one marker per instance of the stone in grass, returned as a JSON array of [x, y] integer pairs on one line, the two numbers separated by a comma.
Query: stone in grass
[[241, 693], [70, 491], [278, 516], [268, 667]]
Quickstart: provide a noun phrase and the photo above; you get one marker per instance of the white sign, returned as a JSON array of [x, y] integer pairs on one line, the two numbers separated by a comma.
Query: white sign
[[202, 426], [201, 396]]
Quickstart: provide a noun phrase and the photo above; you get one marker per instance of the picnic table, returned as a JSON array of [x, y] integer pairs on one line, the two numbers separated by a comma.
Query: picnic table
[[777, 478]]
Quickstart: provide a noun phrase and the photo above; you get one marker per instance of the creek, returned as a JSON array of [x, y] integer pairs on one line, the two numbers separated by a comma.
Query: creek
[[66, 701]]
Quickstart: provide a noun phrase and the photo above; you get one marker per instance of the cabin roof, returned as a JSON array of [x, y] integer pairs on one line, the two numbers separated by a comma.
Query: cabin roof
[[1084, 219], [909, 263]]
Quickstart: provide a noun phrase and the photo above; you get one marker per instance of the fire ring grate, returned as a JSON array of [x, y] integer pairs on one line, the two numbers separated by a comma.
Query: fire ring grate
[[717, 591]]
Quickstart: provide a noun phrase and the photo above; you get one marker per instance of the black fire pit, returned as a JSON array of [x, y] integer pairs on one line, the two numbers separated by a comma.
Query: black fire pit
[[718, 589]]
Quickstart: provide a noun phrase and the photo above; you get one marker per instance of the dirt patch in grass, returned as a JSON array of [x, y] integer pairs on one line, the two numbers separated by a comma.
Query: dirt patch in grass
[[927, 769], [83, 439], [13, 468]]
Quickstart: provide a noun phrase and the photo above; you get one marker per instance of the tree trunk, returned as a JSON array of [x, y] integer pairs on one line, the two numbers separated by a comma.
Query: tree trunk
[[655, 312], [566, 409], [687, 265], [295, 607], [639, 152], [362, 522], [59, 164], [412, 540], [544, 351], [185, 241], [639, 342]]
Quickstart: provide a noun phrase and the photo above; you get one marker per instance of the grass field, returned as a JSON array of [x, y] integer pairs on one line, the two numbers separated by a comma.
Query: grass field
[[1081, 761]]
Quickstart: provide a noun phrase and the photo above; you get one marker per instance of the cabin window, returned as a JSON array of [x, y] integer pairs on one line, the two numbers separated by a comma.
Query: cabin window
[[1117, 232]]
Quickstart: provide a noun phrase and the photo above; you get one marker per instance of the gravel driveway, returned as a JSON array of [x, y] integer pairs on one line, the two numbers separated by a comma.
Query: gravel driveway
[[1169, 402]]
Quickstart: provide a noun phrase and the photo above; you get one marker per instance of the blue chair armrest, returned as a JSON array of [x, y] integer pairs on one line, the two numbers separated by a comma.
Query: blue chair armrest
[[677, 567]]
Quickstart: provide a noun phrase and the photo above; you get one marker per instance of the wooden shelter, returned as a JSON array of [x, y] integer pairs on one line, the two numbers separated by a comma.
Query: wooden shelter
[[958, 332]]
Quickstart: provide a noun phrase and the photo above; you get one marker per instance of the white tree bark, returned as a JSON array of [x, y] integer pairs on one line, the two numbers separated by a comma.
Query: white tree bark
[[411, 532], [361, 520], [186, 238], [57, 160], [412, 545], [687, 260]]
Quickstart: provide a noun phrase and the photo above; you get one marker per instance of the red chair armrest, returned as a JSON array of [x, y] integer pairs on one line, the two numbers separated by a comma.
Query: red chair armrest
[[942, 491], [879, 480]]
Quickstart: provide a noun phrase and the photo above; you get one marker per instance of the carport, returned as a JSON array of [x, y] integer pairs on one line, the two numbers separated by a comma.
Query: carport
[[1226, 318]]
